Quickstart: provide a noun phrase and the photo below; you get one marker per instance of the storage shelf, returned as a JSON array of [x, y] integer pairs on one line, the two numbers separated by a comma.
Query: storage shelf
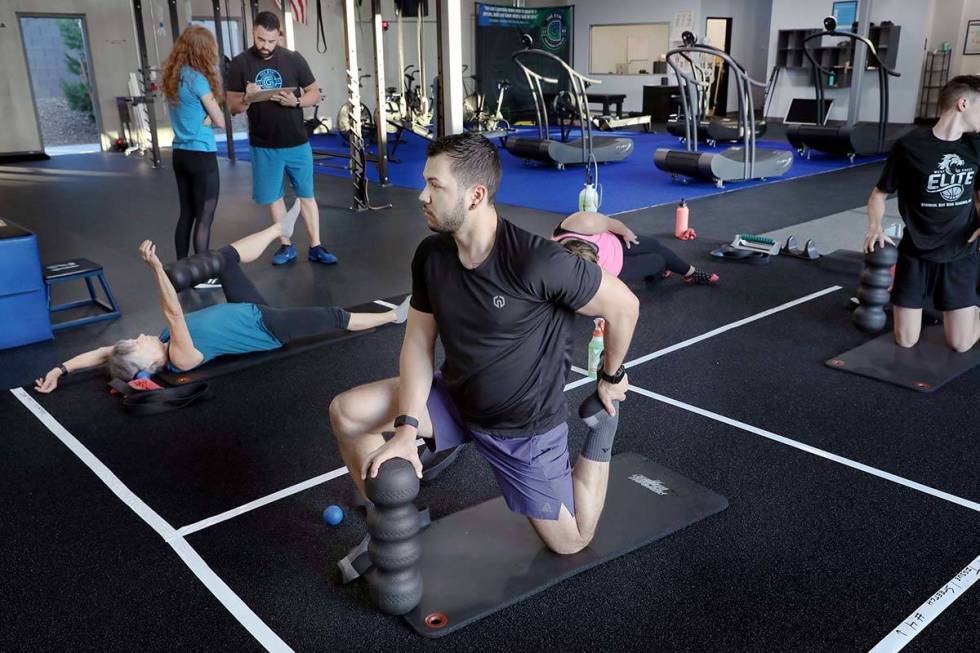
[[790, 54], [935, 74]]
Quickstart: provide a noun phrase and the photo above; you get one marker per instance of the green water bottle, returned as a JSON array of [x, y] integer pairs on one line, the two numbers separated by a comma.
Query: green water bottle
[[596, 345]]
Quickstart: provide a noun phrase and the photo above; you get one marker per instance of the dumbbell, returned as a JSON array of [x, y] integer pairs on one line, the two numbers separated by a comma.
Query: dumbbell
[[876, 279], [395, 582]]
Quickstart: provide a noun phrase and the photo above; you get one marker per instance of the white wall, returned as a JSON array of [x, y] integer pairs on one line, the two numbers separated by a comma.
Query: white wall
[[750, 26], [949, 23], [601, 12], [965, 64], [750, 29], [915, 19]]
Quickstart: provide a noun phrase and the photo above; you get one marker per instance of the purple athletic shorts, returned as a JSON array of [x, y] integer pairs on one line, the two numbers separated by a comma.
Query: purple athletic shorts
[[533, 473]]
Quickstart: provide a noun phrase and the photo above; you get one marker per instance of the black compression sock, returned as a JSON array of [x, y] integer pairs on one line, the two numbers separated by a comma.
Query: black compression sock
[[602, 429]]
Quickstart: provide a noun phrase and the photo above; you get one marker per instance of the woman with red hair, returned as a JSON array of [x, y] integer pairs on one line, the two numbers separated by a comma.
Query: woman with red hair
[[190, 85]]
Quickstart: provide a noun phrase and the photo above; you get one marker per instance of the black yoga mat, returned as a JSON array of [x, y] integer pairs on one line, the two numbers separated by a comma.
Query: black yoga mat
[[485, 558]]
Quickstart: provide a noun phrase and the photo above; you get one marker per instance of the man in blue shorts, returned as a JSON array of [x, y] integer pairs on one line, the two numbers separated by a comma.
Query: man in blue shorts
[[275, 129], [503, 301]]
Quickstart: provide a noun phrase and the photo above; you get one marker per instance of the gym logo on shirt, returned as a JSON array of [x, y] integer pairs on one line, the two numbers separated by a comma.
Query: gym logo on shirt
[[269, 78], [951, 178], [498, 301]]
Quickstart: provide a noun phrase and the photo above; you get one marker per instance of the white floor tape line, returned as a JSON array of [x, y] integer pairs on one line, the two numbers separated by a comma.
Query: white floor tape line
[[916, 622], [263, 501], [704, 336], [966, 503], [248, 619], [258, 503], [732, 325]]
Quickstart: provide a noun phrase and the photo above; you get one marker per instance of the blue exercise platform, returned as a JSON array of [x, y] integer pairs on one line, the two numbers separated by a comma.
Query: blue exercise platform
[[23, 303]]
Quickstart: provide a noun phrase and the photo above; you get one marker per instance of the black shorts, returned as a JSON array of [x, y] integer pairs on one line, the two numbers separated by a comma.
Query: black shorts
[[951, 285]]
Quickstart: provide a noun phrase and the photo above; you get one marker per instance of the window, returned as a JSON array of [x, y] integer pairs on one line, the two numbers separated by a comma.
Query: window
[[230, 32], [846, 14], [627, 49]]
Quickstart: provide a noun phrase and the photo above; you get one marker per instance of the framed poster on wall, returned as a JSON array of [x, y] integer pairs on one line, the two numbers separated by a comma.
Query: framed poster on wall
[[972, 43]]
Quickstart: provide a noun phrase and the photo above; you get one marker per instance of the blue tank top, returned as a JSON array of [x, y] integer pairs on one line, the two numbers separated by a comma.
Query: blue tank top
[[226, 329]]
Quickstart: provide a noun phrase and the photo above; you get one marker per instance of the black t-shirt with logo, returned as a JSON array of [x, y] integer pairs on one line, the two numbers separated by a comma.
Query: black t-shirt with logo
[[269, 123], [505, 326], [935, 184]]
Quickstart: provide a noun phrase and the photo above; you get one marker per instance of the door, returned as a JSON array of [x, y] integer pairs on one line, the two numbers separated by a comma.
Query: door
[[718, 33], [59, 65]]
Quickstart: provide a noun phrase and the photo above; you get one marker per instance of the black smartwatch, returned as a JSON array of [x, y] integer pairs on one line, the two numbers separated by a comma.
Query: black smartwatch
[[402, 420], [64, 370], [614, 378]]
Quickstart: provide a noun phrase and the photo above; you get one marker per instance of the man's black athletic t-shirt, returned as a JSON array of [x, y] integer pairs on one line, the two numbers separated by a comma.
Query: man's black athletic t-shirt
[[269, 123], [505, 326], [935, 184]]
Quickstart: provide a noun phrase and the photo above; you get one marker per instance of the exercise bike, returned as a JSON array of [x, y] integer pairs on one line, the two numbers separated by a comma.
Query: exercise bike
[[417, 103], [317, 125], [476, 117], [367, 119]]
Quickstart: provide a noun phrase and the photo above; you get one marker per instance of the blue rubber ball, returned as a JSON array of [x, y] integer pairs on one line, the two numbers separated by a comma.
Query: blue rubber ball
[[333, 515]]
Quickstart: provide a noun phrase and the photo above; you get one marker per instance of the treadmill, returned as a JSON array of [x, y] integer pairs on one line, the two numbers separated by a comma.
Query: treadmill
[[581, 151], [737, 163], [861, 138]]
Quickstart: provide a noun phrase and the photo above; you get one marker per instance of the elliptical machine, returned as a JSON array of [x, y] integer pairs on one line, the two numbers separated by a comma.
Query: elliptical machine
[[861, 138], [740, 163]]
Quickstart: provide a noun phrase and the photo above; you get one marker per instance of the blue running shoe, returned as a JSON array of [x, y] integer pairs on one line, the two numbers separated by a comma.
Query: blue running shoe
[[284, 254], [319, 255]]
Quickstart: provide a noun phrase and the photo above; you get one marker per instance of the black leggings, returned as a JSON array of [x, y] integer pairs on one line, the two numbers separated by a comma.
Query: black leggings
[[286, 324], [649, 258], [198, 185]]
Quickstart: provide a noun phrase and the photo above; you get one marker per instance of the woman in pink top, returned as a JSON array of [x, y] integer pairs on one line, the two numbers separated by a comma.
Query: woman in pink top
[[617, 250]]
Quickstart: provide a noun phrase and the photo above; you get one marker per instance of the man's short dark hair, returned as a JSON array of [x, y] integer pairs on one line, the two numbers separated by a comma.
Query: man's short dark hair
[[474, 160], [959, 86], [266, 20]]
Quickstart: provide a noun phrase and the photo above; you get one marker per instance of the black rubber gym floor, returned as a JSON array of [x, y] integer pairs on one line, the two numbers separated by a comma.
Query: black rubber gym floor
[[82, 572], [812, 554]]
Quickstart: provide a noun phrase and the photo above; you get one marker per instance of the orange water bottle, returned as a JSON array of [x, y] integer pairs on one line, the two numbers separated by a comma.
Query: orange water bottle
[[680, 219]]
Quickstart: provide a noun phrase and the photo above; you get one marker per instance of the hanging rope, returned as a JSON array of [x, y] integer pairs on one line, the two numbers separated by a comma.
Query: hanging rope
[[321, 37]]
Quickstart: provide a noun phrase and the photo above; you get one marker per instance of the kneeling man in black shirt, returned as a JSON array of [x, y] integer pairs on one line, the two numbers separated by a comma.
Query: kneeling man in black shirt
[[934, 171], [502, 301]]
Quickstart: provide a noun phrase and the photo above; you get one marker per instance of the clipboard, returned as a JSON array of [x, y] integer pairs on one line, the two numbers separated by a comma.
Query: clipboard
[[267, 94]]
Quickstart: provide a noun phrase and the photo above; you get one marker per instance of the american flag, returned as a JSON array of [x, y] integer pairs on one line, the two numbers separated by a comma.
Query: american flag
[[298, 9]]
